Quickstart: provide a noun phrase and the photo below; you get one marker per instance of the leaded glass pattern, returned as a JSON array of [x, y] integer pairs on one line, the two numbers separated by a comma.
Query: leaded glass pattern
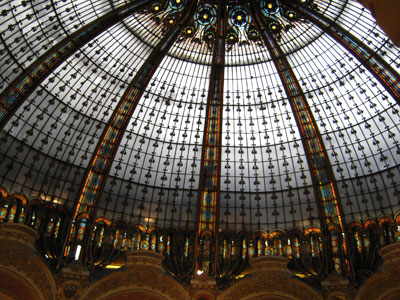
[[265, 181]]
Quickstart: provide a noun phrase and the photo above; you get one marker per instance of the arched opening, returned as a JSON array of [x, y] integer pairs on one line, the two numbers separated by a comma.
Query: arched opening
[[393, 296], [136, 295], [16, 287]]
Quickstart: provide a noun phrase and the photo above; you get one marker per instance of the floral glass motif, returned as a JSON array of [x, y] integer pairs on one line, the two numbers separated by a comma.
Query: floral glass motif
[[11, 213], [3, 214], [81, 229]]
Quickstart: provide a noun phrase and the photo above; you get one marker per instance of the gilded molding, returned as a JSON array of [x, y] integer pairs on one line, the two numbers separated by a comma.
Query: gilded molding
[[17, 255], [143, 273], [270, 276], [385, 282]]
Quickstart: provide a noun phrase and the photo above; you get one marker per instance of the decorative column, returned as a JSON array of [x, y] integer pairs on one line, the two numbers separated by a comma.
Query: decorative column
[[321, 170], [21, 87], [382, 71], [105, 151], [207, 228]]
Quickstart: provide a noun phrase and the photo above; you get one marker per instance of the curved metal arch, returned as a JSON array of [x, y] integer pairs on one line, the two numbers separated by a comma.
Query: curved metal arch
[[111, 137], [208, 200], [323, 179], [22, 86]]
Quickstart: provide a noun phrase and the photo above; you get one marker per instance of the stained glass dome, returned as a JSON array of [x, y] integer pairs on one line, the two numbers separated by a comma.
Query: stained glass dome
[[207, 122]]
